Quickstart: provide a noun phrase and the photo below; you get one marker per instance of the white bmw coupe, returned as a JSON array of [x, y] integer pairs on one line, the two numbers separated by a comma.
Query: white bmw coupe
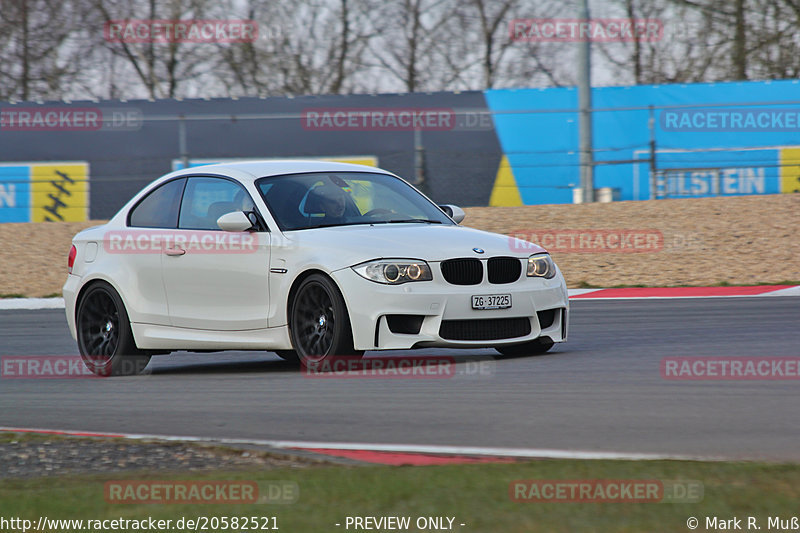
[[308, 259]]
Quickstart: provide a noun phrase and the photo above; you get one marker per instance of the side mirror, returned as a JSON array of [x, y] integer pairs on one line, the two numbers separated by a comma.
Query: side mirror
[[235, 221], [454, 212]]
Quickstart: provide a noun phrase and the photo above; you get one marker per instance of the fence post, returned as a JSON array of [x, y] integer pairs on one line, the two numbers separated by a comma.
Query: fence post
[[586, 153], [651, 124], [184, 152], [419, 160]]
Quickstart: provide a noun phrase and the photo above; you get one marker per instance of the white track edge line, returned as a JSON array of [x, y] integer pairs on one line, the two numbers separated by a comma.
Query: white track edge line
[[58, 303], [788, 291], [539, 453], [31, 303]]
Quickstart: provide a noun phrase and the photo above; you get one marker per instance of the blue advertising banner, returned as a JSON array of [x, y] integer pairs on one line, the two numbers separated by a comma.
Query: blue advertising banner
[[711, 139]]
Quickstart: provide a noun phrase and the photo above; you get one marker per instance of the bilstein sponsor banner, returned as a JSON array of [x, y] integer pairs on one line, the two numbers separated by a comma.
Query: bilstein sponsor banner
[[605, 491], [588, 240], [721, 368], [189, 241]]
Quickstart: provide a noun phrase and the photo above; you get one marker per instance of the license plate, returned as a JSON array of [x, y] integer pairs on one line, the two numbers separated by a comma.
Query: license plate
[[491, 301]]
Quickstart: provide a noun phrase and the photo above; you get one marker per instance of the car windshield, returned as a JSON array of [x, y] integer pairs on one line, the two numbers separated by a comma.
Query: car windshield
[[324, 199]]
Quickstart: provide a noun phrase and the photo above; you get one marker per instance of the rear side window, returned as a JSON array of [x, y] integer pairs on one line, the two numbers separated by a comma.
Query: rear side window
[[159, 209]]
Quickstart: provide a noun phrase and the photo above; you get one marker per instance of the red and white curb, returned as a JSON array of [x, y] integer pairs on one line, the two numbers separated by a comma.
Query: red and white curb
[[390, 454], [629, 293]]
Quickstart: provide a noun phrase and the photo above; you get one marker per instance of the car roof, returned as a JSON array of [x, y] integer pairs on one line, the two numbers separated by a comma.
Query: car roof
[[252, 170]]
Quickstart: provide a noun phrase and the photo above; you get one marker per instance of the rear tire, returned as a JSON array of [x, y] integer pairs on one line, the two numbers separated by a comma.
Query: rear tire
[[534, 347], [104, 334], [319, 323]]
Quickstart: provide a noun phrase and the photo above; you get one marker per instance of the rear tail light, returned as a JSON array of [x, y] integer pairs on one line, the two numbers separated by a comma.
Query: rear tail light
[[71, 260]]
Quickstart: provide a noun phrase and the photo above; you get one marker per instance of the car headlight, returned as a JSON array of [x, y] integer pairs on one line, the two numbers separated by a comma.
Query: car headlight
[[394, 271], [541, 266]]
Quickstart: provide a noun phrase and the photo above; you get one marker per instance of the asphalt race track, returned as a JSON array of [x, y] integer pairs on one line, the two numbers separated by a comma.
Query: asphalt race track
[[601, 391]]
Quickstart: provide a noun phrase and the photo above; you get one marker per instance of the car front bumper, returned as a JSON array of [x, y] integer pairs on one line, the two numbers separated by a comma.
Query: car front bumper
[[436, 303]]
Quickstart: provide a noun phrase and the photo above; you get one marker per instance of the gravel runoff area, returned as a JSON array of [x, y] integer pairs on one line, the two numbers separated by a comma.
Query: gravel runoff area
[[746, 240], [28, 456], [705, 241]]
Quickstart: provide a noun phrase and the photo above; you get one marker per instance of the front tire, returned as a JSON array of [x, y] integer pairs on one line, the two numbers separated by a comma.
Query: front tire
[[104, 333], [319, 323], [534, 347]]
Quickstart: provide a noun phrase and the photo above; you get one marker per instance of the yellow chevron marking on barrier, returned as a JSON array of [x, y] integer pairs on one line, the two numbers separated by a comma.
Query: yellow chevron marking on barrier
[[505, 191], [368, 161], [790, 169], [60, 192]]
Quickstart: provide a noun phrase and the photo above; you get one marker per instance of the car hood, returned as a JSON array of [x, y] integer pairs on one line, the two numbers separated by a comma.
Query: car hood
[[350, 245]]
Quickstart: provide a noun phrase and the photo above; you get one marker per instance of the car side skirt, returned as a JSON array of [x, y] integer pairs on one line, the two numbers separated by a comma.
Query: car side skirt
[[155, 337]]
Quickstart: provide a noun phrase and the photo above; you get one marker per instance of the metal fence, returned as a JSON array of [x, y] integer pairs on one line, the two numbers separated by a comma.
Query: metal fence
[[72, 161]]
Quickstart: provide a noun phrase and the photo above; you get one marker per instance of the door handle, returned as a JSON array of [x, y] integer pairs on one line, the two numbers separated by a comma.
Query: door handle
[[174, 251]]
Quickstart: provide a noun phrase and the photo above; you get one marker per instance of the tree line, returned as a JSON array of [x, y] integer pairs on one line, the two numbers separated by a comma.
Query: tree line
[[58, 49]]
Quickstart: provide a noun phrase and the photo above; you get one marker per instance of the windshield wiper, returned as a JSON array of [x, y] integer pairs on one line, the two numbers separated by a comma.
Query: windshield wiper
[[411, 220], [371, 222], [335, 224]]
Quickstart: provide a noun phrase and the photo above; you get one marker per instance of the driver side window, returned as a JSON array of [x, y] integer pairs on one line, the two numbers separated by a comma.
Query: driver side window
[[206, 199]]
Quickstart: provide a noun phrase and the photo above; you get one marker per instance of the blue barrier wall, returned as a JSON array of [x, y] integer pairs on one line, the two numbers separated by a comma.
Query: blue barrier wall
[[538, 132]]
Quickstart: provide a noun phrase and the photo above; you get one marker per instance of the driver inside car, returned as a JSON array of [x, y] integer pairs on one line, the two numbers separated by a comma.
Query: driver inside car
[[328, 199]]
